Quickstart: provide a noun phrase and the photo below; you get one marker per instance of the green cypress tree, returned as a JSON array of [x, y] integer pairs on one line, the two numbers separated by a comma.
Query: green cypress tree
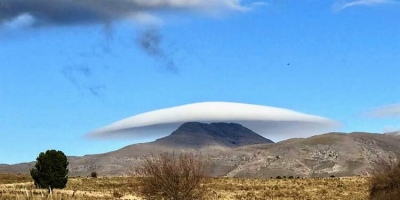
[[50, 170]]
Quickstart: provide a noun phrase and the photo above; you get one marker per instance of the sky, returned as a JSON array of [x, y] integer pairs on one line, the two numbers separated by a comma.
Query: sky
[[70, 67]]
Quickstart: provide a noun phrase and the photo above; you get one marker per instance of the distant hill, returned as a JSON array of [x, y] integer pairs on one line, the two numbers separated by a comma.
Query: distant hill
[[235, 151], [393, 133], [22, 168]]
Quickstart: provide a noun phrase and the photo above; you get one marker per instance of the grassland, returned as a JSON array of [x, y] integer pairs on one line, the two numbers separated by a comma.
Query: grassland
[[21, 187]]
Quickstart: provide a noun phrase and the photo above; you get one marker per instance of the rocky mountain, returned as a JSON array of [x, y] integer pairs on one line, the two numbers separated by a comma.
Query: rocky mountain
[[338, 154], [235, 151], [200, 135]]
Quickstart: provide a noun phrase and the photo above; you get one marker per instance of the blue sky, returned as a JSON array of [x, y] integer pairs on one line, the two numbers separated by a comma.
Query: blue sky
[[62, 79]]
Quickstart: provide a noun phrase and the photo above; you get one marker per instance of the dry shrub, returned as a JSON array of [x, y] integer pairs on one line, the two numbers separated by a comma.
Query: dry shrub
[[93, 174], [172, 176], [385, 183]]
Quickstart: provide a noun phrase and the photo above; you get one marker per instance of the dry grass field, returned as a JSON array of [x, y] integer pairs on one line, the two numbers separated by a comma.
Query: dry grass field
[[21, 187]]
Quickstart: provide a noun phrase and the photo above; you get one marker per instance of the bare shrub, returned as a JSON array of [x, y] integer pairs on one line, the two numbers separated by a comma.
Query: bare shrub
[[385, 182], [172, 176]]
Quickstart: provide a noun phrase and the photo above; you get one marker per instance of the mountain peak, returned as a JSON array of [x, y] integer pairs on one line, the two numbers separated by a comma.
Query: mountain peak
[[198, 135]]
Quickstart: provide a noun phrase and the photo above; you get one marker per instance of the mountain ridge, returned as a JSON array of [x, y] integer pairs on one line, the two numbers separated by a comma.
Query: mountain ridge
[[339, 154]]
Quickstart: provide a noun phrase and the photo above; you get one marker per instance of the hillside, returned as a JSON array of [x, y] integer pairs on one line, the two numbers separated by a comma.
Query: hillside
[[393, 133], [232, 151]]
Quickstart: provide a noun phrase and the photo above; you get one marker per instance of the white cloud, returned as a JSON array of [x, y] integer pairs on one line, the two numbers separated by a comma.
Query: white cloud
[[387, 111], [347, 4], [271, 122], [144, 18], [21, 21]]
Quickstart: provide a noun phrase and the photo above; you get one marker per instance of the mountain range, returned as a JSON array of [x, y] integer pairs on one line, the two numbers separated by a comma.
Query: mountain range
[[235, 151]]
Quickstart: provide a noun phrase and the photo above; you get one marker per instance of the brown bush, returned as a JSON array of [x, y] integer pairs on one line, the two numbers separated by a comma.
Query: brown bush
[[172, 176], [385, 183], [93, 174]]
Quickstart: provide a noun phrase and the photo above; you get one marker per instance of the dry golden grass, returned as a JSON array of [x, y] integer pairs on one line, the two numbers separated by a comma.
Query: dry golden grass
[[308, 188], [14, 178], [77, 188], [218, 188]]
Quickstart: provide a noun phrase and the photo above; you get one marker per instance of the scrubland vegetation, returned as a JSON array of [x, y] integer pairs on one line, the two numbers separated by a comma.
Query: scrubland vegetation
[[181, 177], [22, 187], [385, 182]]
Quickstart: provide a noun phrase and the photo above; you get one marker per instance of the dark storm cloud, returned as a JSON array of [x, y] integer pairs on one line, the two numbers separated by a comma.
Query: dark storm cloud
[[66, 12], [72, 12], [61, 12]]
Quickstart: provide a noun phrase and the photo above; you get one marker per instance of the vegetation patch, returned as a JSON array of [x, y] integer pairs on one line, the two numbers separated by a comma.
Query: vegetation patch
[[215, 188]]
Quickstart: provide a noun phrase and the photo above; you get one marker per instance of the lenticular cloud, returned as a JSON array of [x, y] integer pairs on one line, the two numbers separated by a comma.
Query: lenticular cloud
[[271, 122]]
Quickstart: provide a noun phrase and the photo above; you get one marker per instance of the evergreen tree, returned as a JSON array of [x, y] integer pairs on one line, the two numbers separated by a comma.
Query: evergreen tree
[[50, 170]]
